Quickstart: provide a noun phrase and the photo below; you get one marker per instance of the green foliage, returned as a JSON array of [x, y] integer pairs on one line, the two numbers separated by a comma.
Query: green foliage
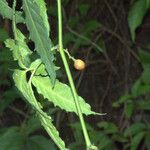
[[134, 129], [60, 95], [136, 140], [6, 61], [26, 89], [4, 35], [7, 12], [83, 8], [109, 127], [38, 33], [43, 12], [20, 50], [99, 138], [35, 79], [37, 22], [18, 138], [136, 15]]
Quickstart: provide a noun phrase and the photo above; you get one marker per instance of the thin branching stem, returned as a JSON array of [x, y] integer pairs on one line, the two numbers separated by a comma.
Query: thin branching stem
[[68, 72]]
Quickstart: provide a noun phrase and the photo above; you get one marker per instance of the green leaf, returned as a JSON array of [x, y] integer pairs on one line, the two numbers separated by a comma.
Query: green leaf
[[129, 109], [26, 90], [143, 89], [83, 8], [148, 3], [124, 98], [147, 139], [8, 97], [134, 129], [20, 50], [73, 21], [105, 142], [43, 12], [6, 56], [60, 95], [136, 140], [146, 73], [12, 139], [136, 15], [119, 137], [3, 35], [90, 26], [21, 83], [38, 33], [7, 12], [144, 56], [52, 131], [32, 124], [135, 88], [109, 127], [76, 127], [144, 105], [41, 68], [39, 143]]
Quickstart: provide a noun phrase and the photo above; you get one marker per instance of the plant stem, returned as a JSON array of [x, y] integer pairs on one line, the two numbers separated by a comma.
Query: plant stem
[[68, 72], [14, 19]]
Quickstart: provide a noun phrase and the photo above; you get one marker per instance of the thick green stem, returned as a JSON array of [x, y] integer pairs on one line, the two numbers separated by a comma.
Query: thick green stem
[[62, 53]]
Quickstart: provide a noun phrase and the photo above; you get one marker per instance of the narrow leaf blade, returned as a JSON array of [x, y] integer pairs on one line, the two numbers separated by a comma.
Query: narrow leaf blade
[[38, 34]]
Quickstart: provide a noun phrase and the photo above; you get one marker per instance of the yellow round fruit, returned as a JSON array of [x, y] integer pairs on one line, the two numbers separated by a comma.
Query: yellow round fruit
[[79, 64]]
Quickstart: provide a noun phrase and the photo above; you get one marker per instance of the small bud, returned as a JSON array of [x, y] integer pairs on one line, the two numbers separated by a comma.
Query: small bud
[[79, 64]]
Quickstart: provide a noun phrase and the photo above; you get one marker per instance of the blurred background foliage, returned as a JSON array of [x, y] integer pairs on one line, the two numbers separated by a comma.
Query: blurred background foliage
[[112, 37]]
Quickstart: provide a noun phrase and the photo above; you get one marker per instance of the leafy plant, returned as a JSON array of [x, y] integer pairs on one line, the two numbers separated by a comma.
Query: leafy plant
[[136, 15], [30, 72]]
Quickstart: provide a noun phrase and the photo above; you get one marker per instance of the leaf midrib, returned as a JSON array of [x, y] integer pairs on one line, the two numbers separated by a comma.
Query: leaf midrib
[[37, 33]]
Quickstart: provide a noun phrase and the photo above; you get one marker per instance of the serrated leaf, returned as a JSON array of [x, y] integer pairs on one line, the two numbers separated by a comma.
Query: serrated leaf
[[40, 67], [20, 50], [136, 15], [60, 95], [52, 131], [7, 12], [25, 88], [38, 34], [43, 13]]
